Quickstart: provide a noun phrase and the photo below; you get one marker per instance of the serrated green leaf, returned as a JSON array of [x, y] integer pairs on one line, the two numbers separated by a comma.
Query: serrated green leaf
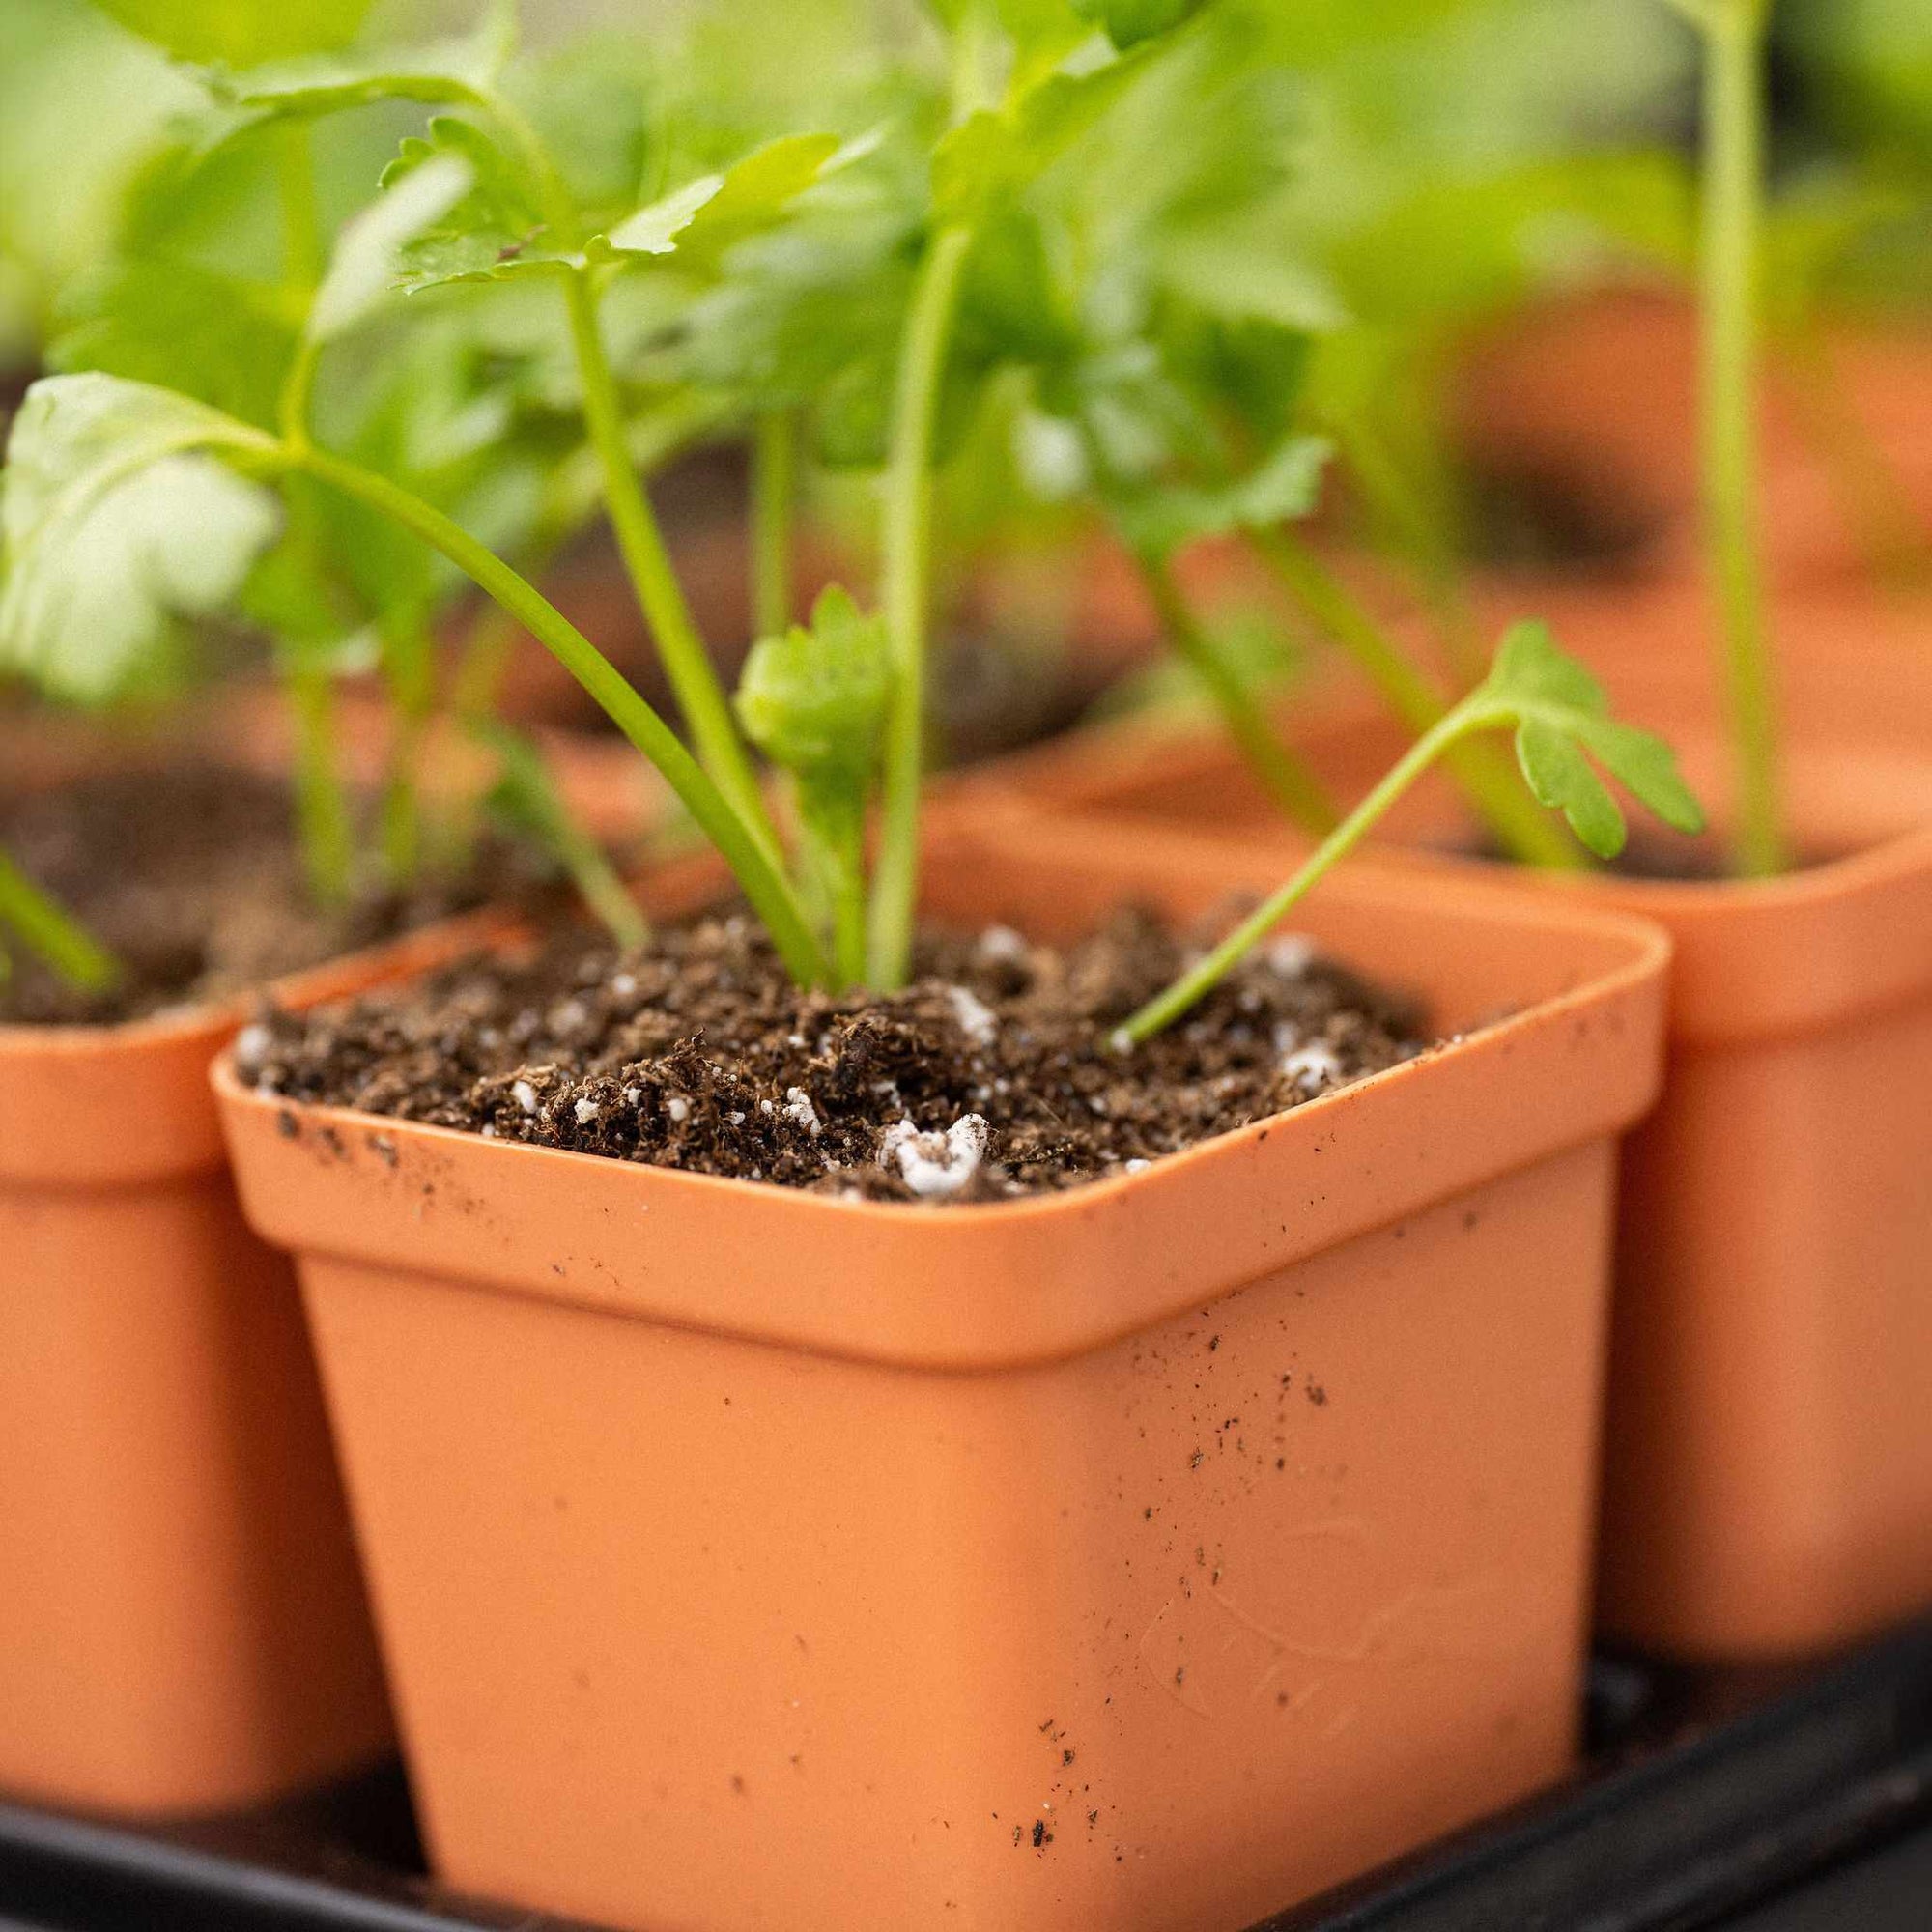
[[706, 217], [1563, 721], [1286, 486], [1560, 776], [242, 33], [814, 701], [116, 525], [999, 151], [367, 262]]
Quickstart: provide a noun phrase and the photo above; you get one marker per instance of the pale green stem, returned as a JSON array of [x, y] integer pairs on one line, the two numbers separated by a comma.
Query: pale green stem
[[68, 950], [1487, 780], [770, 893], [834, 829], [1733, 190], [1295, 788], [906, 564], [687, 665], [1475, 713], [773, 506]]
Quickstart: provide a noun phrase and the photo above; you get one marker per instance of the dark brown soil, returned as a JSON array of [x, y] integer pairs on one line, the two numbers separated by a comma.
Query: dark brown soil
[[189, 877], [698, 1054]]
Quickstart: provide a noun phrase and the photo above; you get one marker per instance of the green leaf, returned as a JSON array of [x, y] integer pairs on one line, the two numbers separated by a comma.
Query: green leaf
[[1284, 486], [1128, 22], [706, 217], [1563, 724], [116, 525], [1001, 151], [367, 262], [179, 326], [814, 701], [242, 33], [449, 72]]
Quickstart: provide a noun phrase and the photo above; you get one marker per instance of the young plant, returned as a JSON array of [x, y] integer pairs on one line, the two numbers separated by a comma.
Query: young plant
[[1733, 33], [1563, 731]]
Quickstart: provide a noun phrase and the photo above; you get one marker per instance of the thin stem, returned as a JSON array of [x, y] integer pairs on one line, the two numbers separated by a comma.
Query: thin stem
[[1292, 786], [1733, 187], [660, 595], [834, 830], [773, 506], [1489, 781], [322, 820], [906, 564], [764, 885], [68, 950], [303, 261], [1475, 713]]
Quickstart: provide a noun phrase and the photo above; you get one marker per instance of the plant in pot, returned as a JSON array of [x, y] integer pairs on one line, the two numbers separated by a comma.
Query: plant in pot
[[1770, 1212], [185, 1626], [1842, 282], [1281, 1443]]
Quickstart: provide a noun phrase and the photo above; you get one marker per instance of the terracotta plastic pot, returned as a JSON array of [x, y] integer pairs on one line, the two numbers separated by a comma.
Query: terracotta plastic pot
[[1770, 1466], [1139, 1558], [1604, 387], [183, 1627]]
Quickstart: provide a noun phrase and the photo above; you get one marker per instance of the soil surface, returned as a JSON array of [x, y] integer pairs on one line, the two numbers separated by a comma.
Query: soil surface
[[190, 877], [991, 1075]]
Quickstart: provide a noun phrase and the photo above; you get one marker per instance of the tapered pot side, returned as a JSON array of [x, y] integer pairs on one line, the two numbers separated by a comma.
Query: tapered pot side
[[1141, 1557], [1769, 1482], [183, 1627]]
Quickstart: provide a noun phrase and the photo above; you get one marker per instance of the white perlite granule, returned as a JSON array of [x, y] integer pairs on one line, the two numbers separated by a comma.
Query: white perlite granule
[[1290, 955], [586, 1112], [1312, 1067], [973, 1016], [934, 1165], [678, 1108], [798, 1106], [525, 1095], [1002, 945], [252, 1045]]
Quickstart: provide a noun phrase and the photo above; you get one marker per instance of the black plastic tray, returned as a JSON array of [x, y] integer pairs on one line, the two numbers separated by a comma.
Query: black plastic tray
[[1704, 1791]]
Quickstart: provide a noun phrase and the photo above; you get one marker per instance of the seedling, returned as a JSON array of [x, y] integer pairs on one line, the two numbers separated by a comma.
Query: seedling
[[1563, 730]]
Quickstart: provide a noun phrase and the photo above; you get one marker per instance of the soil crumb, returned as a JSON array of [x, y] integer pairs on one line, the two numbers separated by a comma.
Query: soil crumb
[[990, 1075], [189, 876]]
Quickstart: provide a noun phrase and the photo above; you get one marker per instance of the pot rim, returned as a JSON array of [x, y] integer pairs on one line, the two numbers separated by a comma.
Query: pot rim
[[979, 1285]]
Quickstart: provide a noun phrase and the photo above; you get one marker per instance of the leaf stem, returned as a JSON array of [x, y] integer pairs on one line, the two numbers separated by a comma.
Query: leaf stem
[[68, 951], [905, 563], [1289, 781], [1492, 788], [699, 695], [1474, 713], [1733, 168], [764, 885], [774, 505]]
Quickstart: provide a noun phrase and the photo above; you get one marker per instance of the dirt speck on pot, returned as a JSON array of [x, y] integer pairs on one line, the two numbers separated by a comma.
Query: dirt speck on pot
[[990, 1075]]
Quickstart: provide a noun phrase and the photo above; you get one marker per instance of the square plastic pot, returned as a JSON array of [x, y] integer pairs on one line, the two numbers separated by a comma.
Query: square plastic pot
[[182, 1626], [1769, 1482], [1139, 1558]]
